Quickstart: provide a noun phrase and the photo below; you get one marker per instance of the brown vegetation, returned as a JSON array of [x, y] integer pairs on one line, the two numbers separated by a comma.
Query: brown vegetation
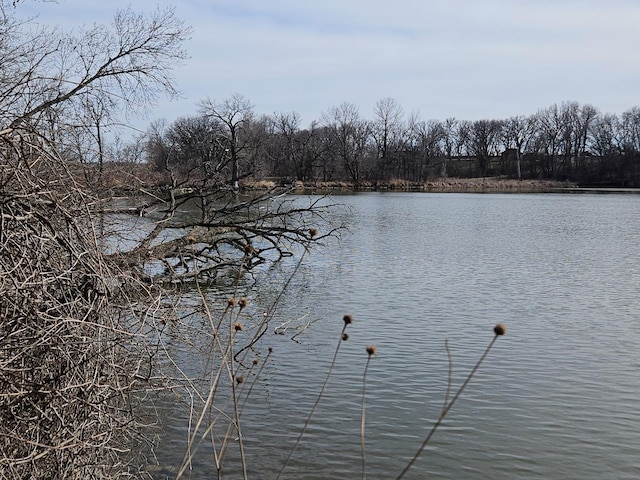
[[74, 355], [131, 178], [443, 185]]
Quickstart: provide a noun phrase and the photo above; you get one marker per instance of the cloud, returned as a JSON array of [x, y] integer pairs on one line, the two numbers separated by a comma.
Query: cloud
[[462, 58]]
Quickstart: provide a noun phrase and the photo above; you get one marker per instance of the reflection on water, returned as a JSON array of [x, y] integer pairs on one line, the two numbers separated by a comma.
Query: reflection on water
[[557, 397]]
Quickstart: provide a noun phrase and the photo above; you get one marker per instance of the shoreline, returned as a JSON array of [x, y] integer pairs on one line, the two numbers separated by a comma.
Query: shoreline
[[439, 185], [132, 180]]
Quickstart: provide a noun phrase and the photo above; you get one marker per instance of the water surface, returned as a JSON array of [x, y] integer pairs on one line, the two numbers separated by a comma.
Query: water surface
[[556, 398]]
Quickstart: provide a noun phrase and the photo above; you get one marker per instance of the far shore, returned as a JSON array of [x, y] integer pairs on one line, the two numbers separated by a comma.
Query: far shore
[[127, 179], [453, 185]]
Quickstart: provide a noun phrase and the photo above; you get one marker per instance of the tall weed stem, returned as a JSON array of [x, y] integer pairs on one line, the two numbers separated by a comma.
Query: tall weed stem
[[371, 351], [498, 331], [343, 336]]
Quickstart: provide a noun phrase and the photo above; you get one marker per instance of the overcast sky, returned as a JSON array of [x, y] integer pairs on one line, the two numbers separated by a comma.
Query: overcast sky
[[469, 59]]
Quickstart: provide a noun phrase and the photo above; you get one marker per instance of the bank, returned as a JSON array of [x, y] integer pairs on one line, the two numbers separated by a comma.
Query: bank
[[131, 178], [453, 185]]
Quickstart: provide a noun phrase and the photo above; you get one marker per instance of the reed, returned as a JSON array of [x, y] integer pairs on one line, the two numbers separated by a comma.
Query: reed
[[229, 375]]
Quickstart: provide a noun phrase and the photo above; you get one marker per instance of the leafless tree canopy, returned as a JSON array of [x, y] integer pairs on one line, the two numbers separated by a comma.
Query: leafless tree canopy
[[564, 142]]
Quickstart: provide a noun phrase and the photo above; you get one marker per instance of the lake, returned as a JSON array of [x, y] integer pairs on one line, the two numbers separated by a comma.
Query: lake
[[557, 397]]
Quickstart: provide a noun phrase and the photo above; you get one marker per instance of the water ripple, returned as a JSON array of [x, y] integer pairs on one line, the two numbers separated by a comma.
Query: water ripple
[[556, 398]]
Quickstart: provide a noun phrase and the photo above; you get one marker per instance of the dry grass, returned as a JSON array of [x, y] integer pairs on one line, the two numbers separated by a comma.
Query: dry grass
[[259, 184], [443, 185]]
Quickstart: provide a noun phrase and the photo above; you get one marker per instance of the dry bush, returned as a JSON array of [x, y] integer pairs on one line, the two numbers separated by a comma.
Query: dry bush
[[73, 350]]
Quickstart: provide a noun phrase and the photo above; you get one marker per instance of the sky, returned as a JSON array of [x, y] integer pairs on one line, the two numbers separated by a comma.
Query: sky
[[468, 59]]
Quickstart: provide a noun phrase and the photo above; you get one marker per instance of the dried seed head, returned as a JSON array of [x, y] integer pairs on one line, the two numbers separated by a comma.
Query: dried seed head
[[348, 319], [371, 350], [191, 239], [255, 361], [313, 232], [231, 302], [270, 349], [249, 250], [345, 337], [244, 301], [238, 327], [239, 379], [500, 329]]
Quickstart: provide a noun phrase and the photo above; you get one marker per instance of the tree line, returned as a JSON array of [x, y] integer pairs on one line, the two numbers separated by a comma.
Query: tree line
[[569, 141]]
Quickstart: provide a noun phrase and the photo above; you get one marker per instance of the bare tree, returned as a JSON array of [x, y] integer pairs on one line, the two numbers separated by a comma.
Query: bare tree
[[195, 140], [130, 63], [74, 354], [451, 143], [631, 130], [291, 147], [549, 125], [516, 132], [427, 143], [483, 142], [157, 145], [71, 351], [350, 135], [235, 113], [387, 129]]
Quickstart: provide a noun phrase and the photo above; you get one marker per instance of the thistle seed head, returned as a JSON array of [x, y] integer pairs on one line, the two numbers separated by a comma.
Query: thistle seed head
[[371, 349], [500, 329]]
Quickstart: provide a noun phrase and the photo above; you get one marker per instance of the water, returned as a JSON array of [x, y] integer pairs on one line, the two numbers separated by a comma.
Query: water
[[555, 399]]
